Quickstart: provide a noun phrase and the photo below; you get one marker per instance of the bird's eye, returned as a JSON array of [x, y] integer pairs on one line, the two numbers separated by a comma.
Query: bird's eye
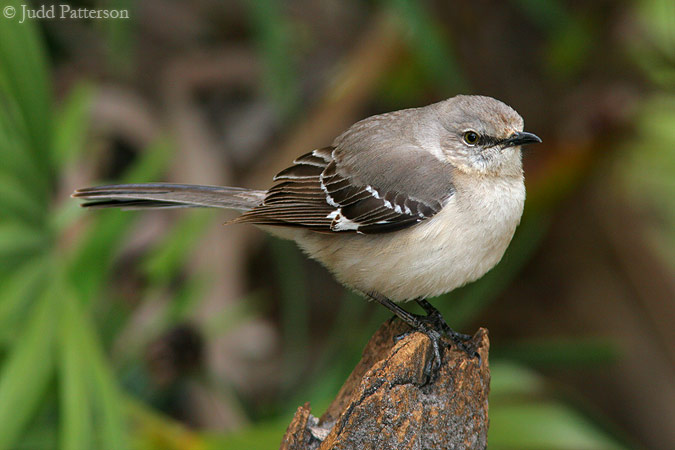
[[471, 137]]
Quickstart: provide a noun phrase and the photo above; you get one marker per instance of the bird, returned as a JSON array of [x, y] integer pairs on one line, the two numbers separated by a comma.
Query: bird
[[402, 206]]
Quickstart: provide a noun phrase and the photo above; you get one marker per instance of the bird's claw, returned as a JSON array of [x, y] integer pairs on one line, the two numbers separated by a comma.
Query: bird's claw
[[433, 364]]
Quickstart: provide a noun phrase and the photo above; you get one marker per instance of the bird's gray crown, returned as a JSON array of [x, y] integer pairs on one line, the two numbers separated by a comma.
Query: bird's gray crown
[[484, 115]]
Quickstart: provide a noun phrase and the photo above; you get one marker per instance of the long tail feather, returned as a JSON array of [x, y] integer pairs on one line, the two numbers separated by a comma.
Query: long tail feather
[[165, 195]]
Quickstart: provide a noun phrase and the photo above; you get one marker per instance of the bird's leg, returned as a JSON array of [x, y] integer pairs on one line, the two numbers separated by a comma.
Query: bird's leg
[[418, 323], [439, 322]]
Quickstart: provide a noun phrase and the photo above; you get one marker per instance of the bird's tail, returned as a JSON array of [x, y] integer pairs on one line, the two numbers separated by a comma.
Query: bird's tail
[[164, 195]]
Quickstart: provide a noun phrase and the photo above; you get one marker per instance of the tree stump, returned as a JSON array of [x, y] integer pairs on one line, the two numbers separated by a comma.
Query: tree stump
[[387, 402]]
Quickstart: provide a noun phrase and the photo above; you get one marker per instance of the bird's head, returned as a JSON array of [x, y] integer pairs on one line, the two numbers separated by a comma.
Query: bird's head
[[481, 135]]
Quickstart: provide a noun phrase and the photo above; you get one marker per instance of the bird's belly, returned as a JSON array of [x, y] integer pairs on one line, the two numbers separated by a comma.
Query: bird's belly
[[457, 246]]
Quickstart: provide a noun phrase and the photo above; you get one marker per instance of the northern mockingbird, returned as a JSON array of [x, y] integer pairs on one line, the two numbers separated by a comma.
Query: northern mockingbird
[[402, 206]]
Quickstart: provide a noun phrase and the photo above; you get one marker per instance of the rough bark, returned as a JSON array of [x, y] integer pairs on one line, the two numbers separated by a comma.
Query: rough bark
[[388, 403]]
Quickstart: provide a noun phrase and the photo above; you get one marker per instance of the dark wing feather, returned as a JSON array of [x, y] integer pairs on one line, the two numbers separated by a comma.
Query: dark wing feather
[[314, 194]]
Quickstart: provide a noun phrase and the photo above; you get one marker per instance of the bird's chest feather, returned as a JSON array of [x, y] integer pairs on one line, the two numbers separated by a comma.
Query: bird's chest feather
[[467, 238], [487, 213]]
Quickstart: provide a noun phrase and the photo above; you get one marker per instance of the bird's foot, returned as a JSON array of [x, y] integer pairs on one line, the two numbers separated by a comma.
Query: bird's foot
[[434, 326], [434, 317]]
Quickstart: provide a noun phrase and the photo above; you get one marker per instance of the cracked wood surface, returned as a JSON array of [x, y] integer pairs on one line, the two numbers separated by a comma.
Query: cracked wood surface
[[387, 403]]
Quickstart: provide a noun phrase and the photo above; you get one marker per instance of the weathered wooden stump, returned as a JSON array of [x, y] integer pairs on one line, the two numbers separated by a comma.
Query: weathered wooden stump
[[387, 402]]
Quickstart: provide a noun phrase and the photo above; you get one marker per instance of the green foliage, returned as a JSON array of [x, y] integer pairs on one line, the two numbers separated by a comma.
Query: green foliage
[[523, 416], [569, 36], [647, 169], [295, 307], [559, 353], [91, 399], [120, 35], [273, 33], [48, 333], [428, 43], [28, 101], [71, 125], [655, 51], [28, 368]]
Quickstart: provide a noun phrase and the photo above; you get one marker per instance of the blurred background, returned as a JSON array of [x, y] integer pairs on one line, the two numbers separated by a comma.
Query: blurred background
[[166, 330]]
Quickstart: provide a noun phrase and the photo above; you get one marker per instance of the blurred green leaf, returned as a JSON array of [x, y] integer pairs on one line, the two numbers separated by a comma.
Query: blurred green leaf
[[62, 217], [646, 170], [653, 49], [404, 84], [17, 240], [428, 43], [14, 149], [89, 387], [76, 413], [28, 368], [523, 416], [105, 390], [509, 379], [93, 258], [20, 168], [547, 13], [24, 77], [569, 49], [274, 38], [544, 425], [294, 305], [569, 37], [17, 204], [561, 352], [38, 438], [120, 36], [72, 123], [226, 319], [18, 292], [170, 254]]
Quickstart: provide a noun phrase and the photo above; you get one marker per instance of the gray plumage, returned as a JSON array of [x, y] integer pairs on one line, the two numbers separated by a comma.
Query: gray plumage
[[167, 195], [408, 204]]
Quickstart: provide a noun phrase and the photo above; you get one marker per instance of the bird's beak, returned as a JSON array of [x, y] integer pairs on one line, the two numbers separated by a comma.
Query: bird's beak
[[521, 138]]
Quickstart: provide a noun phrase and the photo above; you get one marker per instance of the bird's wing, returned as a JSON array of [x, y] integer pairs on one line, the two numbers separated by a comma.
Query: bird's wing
[[316, 193]]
